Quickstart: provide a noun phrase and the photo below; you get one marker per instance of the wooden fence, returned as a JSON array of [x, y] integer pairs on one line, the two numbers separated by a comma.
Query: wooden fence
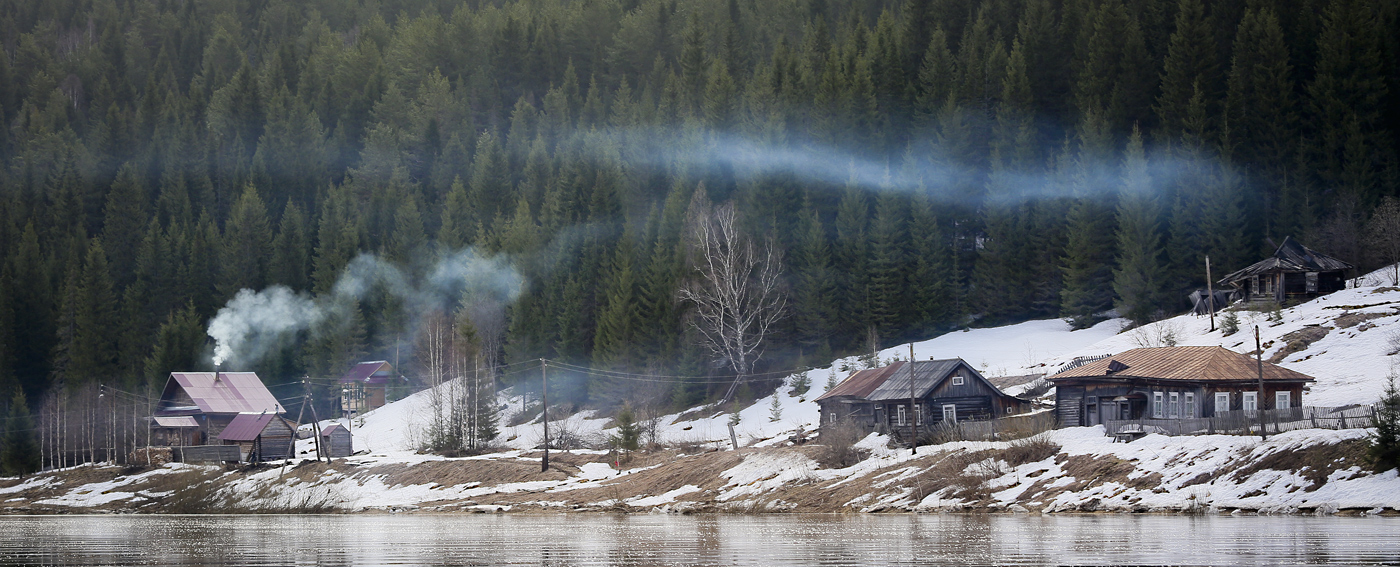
[[1012, 427], [1249, 422]]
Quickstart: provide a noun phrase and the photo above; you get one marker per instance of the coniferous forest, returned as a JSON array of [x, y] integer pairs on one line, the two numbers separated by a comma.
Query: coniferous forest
[[918, 166]]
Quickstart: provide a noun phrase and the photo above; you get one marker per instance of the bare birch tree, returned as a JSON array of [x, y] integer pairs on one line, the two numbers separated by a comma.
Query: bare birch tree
[[735, 290]]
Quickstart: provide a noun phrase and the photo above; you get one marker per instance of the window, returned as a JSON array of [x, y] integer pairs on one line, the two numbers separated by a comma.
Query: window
[[1282, 400], [950, 413], [1251, 401], [919, 414], [900, 418], [1222, 402], [957, 380], [1008, 409], [1190, 410], [832, 418], [1174, 407], [1156, 404]]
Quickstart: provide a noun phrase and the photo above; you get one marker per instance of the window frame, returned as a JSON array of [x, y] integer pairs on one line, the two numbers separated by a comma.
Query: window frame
[[1189, 405], [901, 415], [1283, 399], [958, 381], [1218, 397], [1157, 403], [953, 407], [1173, 405], [1248, 399]]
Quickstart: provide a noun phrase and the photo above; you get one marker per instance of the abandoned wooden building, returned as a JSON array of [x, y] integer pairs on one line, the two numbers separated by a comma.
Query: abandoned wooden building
[[365, 386], [196, 407], [1293, 272], [336, 441], [944, 392], [259, 437], [1171, 383]]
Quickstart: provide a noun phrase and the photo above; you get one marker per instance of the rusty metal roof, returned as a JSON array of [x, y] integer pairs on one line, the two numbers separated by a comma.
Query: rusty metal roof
[[246, 427], [228, 392], [1210, 363], [1291, 256], [927, 374], [374, 372], [861, 384]]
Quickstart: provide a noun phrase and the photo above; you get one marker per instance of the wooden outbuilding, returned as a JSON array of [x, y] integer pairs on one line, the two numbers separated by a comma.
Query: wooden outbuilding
[[259, 437], [336, 441], [1172, 383], [1293, 272], [366, 386], [847, 401]]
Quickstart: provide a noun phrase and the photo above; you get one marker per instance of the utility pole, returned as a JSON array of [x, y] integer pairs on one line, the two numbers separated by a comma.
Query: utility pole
[[914, 412], [1259, 364], [544, 402], [1210, 295]]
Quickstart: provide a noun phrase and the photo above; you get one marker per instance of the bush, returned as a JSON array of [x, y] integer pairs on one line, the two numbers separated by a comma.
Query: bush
[[628, 435], [1030, 450], [840, 439]]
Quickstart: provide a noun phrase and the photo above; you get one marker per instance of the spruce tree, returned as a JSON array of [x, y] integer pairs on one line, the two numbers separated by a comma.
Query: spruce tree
[[1138, 279], [20, 453], [1191, 65]]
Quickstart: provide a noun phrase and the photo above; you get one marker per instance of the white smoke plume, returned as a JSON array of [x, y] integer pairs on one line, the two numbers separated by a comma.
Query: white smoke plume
[[254, 324]]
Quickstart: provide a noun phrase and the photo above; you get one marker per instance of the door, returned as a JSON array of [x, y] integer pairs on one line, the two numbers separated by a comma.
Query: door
[[1092, 412]]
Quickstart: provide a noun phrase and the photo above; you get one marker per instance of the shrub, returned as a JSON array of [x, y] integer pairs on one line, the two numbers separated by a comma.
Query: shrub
[[1029, 450], [628, 434], [840, 439]]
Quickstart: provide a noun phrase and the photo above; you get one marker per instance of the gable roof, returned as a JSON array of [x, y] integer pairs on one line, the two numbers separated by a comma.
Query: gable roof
[[927, 375], [1291, 256], [861, 384], [332, 428], [228, 392], [373, 372], [246, 427], [1196, 363]]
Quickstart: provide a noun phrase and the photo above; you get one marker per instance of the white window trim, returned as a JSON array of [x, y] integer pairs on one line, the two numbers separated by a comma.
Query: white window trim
[[1222, 396], [918, 414], [1173, 405], [1157, 405], [1283, 399], [1190, 410], [958, 380], [1250, 401], [954, 408], [899, 410]]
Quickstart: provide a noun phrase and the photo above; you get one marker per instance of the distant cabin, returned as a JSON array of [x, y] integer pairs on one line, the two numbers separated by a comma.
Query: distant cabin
[[196, 407], [259, 437], [365, 386], [1171, 383], [336, 441], [944, 392], [1293, 272]]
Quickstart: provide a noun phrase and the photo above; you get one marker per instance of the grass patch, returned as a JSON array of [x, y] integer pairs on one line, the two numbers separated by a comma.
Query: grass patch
[[1298, 341], [1314, 463]]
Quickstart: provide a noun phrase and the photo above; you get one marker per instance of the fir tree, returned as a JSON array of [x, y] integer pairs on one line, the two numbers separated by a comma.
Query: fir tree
[[1138, 279], [20, 453]]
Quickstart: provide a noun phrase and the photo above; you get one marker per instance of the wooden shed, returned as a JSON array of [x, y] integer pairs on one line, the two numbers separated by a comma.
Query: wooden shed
[[336, 441], [259, 437], [196, 407], [1294, 271]]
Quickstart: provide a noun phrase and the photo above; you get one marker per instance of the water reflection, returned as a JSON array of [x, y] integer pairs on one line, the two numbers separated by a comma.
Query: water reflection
[[654, 540]]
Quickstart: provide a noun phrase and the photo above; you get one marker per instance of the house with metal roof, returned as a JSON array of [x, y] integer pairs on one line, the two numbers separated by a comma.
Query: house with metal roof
[[943, 392], [1293, 272], [196, 407], [1181, 382], [366, 386]]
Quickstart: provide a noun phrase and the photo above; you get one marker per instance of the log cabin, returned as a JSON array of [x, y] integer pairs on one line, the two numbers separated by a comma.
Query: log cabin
[[944, 392], [365, 386], [1293, 272], [1171, 383]]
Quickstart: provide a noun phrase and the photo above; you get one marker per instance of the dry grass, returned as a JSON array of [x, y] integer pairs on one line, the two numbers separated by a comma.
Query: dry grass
[[1350, 319], [1298, 341], [1315, 463]]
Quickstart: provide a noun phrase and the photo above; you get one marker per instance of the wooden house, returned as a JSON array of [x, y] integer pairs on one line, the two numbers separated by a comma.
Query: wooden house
[[1171, 383], [944, 392], [336, 441], [196, 407], [847, 401], [365, 386], [1293, 272], [259, 437]]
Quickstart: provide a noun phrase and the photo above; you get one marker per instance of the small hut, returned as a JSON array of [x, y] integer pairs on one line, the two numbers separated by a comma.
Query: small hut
[[1294, 271], [336, 441], [259, 437]]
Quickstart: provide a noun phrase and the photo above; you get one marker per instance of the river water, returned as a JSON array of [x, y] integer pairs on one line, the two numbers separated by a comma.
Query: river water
[[646, 540]]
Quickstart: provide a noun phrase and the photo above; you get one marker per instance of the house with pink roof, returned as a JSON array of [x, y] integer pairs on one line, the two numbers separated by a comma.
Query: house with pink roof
[[196, 407]]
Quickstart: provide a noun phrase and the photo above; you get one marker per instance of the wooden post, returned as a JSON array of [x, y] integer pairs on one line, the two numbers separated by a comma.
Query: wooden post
[[913, 408], [544, 401], [1259, 363], [1210, 295]]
